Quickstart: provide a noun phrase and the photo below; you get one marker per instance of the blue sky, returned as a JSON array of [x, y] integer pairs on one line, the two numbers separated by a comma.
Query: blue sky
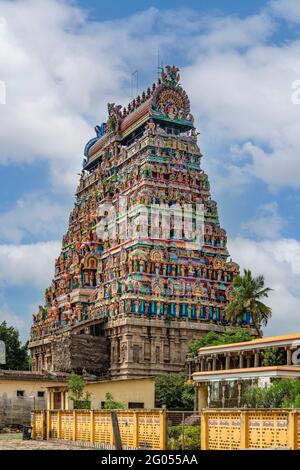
[[62, 61], [107, 10]]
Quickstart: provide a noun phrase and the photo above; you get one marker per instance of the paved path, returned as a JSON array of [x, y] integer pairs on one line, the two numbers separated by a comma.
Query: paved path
[[14, 442]]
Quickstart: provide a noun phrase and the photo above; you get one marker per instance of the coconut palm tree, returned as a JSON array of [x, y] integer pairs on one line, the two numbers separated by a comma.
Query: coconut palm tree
[[246, 298]]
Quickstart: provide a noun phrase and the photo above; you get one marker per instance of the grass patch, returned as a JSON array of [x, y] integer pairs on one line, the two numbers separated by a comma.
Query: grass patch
[[9, 436]]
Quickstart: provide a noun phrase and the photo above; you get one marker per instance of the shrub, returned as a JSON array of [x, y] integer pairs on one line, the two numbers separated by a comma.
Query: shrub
[[81, 404], [280, 394], [111, 404], [191, 437], [80, 399]]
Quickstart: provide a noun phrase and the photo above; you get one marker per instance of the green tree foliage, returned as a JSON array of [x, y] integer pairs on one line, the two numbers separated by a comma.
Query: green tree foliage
[[230, 335], [188, 396], [80, 399], [281, 394], [173, 391], [16, 354], [247, 294], [272, 357], [76, 386], [111, 404]]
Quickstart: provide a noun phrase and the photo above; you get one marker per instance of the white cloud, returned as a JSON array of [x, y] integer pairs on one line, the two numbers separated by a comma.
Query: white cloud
[[288, 251], [267, 223], [286, 9], [226, 177], [33, 214], [279, 262], [227, 32], [28, 265]]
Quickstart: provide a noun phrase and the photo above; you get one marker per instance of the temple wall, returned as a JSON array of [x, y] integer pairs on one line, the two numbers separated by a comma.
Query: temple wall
[[143, 347]]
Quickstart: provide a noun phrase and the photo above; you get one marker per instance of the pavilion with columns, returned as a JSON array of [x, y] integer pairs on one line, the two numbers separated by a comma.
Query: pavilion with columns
[[222, 373]]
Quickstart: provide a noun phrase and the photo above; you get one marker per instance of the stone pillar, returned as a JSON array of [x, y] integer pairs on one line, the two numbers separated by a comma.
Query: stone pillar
[[241, 361], [62, 400], [34, 363], [172, 347], [239, 394], [256, 359], [223, 395], [227, 361], [195, 398], [248, 361], [40, 363], [288, 357], [49, 399], [202, 396], [214, 363]]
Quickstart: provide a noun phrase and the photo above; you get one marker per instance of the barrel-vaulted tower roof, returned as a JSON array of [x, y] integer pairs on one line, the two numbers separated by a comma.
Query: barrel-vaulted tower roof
[[165, 101]]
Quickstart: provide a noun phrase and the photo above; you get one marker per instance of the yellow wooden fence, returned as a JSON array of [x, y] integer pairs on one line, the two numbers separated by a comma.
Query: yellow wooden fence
[[139, 429], [250, 429]]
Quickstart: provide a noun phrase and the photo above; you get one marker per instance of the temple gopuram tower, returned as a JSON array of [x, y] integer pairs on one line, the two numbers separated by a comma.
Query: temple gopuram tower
[[144, 266]]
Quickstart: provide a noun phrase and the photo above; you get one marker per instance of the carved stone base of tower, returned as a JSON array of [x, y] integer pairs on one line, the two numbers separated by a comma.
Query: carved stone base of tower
[[120, 347], [143, 347]]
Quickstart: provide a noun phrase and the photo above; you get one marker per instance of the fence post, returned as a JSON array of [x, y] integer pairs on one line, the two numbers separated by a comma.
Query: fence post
[[116, 430], [44, 429], [48, 425], [182, 430], [204, 431], [92, 428], [41, 425], [166, 429], [112, 440], [292, 430], [136, 430], [244, 430], [33, 416], [58, 424], [162, 427], [74, 425]]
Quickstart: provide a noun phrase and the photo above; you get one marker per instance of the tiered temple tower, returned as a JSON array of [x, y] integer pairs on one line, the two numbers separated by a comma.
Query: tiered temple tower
[[143, 268]]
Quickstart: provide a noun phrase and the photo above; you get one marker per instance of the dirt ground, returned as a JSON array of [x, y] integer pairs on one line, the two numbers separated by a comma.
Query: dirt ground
[[15, 442]]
